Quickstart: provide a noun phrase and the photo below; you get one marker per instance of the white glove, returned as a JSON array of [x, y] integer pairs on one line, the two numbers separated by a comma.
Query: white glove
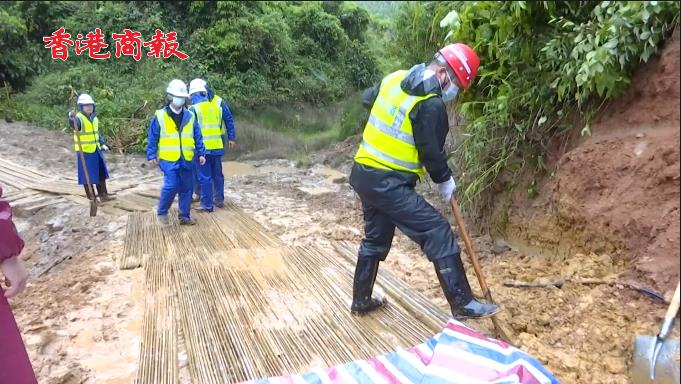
[[105, 148], [447, 189]]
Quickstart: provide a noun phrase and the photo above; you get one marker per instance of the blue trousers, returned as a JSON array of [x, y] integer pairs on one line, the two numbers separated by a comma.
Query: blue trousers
[[212, 181], [197, 183], [177, 181]]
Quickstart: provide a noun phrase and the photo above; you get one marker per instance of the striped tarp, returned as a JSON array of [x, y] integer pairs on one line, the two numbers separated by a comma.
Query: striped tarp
[[458, 354]]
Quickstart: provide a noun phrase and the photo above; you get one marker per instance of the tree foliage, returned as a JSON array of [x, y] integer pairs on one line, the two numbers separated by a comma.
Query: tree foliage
[[384, 9], [252, 54]]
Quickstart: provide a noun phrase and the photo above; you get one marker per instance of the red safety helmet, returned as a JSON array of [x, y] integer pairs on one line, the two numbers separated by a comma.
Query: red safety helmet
[[463, 60]]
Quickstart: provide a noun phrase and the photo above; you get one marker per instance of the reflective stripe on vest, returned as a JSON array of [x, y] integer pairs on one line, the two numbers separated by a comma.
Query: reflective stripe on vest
[[217, 101], [210, 119], [172, 143], [88, 137], [388, 140], [389, 159]]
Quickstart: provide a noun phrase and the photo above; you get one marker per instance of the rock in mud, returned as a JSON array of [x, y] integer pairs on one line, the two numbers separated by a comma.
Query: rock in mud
[[500, 246], [55, 224], [112, 227], [39, 341], [614, 365], [68, 377]]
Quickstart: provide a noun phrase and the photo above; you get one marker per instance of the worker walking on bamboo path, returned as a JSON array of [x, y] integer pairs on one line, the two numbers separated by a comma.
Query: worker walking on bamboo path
[[213, 115], [403, 138], [86, 136], [174, 140]]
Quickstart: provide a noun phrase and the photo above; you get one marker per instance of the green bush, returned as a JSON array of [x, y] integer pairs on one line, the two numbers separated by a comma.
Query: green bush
[[17, 61], [384, 9], [324, 32], [417, 31], [362, 67], [253, 54], [354, 20], [124, 102], [353, 118], [540, 63]]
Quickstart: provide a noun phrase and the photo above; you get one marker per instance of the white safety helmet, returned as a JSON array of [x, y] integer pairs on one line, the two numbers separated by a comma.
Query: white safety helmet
[[177, 88], [85, 99], [197, 85]]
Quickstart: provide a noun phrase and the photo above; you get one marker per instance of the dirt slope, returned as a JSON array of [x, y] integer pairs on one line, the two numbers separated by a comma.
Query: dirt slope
[[617, 190]]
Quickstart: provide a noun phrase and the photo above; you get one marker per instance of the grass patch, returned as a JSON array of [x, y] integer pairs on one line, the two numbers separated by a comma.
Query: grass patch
[[295, 131]]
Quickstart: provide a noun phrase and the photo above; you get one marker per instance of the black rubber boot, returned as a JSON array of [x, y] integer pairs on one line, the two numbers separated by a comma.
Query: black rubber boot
[[187, 222], [365, 276], [103, 193], [458, 292]]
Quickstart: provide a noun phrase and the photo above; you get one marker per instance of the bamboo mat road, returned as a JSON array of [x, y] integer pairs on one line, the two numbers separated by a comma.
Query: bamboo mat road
[[236, 299], [245, 306], [29, 190]]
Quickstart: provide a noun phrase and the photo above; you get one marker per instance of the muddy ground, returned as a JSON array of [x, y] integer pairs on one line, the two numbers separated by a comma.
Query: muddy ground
[[82, 319]]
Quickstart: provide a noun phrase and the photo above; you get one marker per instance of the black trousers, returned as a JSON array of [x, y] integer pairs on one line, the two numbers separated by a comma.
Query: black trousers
[[388, 201]]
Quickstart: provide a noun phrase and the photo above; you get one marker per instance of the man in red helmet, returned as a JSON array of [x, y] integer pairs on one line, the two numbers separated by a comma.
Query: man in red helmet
[[403, 139]]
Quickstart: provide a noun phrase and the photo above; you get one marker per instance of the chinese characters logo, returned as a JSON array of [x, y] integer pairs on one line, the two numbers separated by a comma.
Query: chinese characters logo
[[128, 43]]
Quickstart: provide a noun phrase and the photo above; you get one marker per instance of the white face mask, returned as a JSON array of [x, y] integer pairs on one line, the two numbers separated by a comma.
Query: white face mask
[[451, 91], [178, 102]]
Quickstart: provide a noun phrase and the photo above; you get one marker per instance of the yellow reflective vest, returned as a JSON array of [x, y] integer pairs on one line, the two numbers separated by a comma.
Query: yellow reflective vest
[[210, 120], [88, 137], [388, 140], [172, 143]]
